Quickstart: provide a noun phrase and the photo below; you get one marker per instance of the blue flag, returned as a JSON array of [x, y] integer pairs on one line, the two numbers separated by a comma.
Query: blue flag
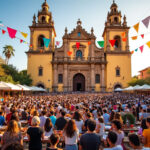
[[46, 42]]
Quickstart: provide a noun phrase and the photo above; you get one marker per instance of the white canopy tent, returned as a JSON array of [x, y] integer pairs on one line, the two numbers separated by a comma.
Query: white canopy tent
[[4, 86], [130, 88], [118, 90], [12, 86], [24, 88]]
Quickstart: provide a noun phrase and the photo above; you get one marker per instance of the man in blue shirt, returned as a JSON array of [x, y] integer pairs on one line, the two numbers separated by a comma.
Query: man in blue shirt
[[52, 117], [106, 116], [2, 119]]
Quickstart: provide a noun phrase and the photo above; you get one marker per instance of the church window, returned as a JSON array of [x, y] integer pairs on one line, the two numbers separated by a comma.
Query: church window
[[60, 78], [79, 54], [40, 71], [43, 19], [117, 72], [116, 20], [40, 41], [118, 42], [97, 78], [114, 9]]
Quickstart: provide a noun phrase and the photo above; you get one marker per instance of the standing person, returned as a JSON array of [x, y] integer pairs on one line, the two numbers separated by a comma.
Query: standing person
[[48, 127], [43, 119], [111, 141], [35, 134], [61, 121], [100, 127], [71, 135], [52, 117], [90, 140], [143, 126], [106, 116], [12, 135], [54, 140], [78, 120], [2, 118], [117, 128], [146, 134]]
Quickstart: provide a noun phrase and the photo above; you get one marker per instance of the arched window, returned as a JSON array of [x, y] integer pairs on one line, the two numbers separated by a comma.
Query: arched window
[[60, 78], [97, 78], [118, 42], [117, 72], [43, 19], [40, 71], [79, 54], [114, 9], [40, 41], [116, 20]]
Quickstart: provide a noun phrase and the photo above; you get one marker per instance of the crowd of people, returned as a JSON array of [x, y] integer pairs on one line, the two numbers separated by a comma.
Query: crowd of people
[[75, 122]]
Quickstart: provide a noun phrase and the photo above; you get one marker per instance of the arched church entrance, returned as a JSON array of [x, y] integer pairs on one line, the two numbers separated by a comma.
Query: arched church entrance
[[40, 85], [79, 82], [117, 86]]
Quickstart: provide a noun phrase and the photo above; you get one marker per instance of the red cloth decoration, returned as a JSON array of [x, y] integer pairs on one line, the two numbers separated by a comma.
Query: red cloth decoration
[[3, 31], [142, 35], [112, 42], [77, 45], [141, 48], [11, 32], [21, 41], [89, 43], [124, 39]]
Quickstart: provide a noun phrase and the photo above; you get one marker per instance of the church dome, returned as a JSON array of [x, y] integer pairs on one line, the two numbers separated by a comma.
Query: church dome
[[113, 5], [45, 4]]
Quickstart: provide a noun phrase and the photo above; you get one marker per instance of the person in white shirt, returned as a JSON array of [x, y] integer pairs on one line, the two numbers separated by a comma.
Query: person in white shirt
[[43, 119], [48, 128], [100, 127], [111, 141]]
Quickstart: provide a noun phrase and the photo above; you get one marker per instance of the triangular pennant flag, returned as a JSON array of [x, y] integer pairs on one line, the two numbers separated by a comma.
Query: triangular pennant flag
[[148, 44], [136, 50], [24, 34], [136, 27], [21, 41], [124, 39], [31, 46], [69, 53], [11, 32], [141, 48], [134, 37], [79, 34], [146, 21], [132, 52], [89, 43], [57, 43], [112, 42], [142, 35], [101, 43], [3, 31], [123, 34], [77, 45], [46, 42]]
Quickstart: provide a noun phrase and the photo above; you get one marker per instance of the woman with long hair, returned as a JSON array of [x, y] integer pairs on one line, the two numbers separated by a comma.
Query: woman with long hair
[[71, 134], [48, 127], [78, 120], [12, 135]]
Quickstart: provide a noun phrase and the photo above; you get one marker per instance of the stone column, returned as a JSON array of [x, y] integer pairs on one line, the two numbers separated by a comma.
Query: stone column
[[127, 43], [92, 49], [107, 41], [65, 79], [55, 78], [103, 85], [66, 48], [92, 77], [31, 40]]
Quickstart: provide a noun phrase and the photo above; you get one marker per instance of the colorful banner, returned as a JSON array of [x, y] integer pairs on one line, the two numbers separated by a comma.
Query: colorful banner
[[136, 27], [89, 43], [101, 43], [11, 32], [57, 43], [77, 45], [136, 50], [46, 42], [146, 21], [134, 38], [69, 53], [21, 41], [148, 44], [112, 42], [124, 39], [3, 31], [142, 35], [141, 48], [123, 34], [24, 34]]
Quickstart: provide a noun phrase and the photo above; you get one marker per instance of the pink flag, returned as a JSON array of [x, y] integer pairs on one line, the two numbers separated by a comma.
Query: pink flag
[[141, 48], [146, 21], [57, 43], [12, 32], [3, 31], [142, 35]]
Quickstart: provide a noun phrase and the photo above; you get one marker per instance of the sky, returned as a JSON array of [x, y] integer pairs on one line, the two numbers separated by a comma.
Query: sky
[[18, 14]]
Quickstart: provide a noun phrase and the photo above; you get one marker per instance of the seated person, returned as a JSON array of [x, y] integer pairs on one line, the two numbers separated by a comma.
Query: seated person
[[111, 142], [54, 140]]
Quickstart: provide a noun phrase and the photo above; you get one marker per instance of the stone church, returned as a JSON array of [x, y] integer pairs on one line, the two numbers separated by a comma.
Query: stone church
[[87, 68]]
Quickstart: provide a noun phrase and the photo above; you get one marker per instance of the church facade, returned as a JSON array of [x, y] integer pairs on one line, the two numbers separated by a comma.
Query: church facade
[[86, 68]]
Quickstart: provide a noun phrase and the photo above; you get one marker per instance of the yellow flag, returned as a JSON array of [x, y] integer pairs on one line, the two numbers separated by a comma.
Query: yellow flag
[[148, 44], [136, 27], [134, 37], [24, 34]]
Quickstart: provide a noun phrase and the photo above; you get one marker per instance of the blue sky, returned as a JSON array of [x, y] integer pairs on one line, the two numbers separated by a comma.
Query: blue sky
[[18, 14]]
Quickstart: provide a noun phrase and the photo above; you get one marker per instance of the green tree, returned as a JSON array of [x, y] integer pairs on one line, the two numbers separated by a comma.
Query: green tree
[[135, 81], [8, 52]]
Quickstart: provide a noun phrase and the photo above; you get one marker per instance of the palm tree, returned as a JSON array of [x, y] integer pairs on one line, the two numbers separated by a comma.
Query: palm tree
[[8, 52]]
